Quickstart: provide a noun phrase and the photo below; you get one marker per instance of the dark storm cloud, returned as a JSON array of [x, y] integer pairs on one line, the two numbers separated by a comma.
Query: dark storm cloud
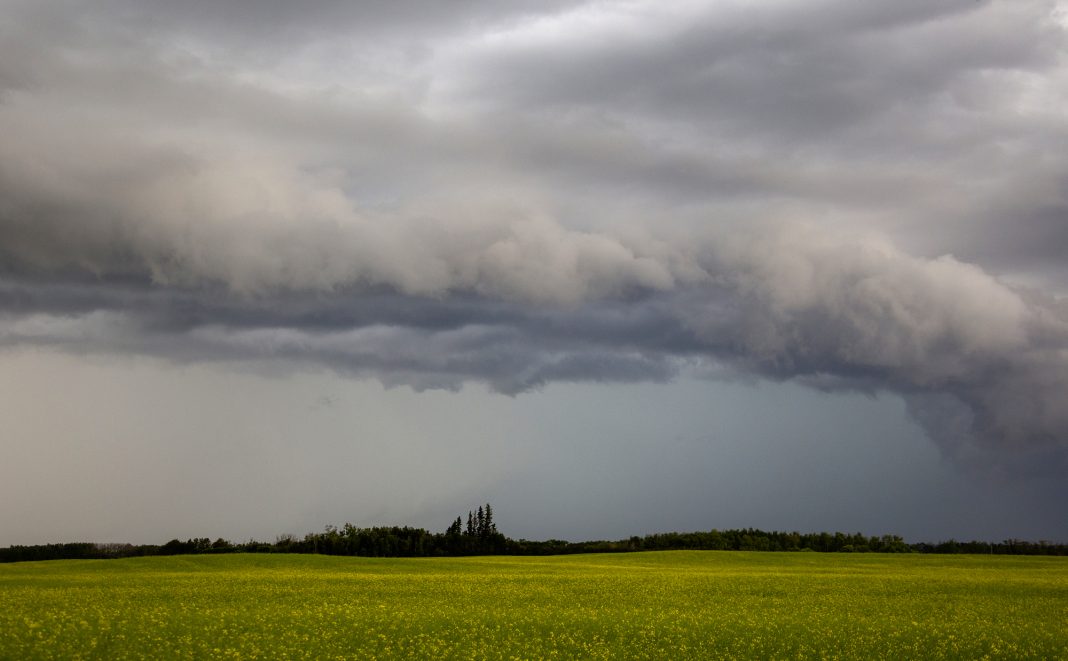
[[927, 113], [519, 193], [839, 316]]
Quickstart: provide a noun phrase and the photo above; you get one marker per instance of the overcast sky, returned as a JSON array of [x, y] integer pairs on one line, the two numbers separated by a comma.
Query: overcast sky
[[616, 267]]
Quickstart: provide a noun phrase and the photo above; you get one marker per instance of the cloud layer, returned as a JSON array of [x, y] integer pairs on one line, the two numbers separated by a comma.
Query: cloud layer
[[518, 193]]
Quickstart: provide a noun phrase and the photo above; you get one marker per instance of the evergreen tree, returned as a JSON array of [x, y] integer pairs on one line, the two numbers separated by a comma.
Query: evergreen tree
[[480, 523], [491, 527], [470, 524], [455, 528]]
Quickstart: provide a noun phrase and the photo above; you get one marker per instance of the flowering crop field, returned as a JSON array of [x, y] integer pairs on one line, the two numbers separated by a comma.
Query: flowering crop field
[[663, 605]]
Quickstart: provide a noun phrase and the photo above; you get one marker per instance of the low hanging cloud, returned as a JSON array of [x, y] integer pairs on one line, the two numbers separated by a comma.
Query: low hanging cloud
[[780, 302], [500, 199]]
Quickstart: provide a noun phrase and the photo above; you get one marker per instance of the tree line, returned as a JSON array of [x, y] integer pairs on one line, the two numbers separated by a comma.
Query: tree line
[[479, 536]]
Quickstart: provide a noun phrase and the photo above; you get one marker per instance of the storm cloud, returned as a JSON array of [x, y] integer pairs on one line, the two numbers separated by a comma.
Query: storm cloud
[[863, 198]]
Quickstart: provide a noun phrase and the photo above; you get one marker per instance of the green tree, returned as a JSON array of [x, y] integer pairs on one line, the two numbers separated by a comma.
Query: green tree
[[455, 529]]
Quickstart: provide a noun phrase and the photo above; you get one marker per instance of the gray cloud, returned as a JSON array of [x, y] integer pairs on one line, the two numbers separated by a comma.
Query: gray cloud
[[520, 194], [781, 303]]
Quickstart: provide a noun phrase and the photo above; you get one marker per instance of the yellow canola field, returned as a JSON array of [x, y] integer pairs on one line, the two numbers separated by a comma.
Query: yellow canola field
[[656, 605]]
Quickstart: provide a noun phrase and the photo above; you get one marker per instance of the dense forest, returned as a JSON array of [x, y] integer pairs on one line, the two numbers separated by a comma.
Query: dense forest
[[479, 536]]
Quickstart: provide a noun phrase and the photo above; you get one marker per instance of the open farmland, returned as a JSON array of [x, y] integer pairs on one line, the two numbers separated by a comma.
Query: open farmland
[[700, 605]]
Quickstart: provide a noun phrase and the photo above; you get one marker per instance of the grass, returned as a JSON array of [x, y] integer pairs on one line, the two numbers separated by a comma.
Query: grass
[[665, 605]]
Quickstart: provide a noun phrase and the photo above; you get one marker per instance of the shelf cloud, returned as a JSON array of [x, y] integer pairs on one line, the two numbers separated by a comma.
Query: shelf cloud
[[851, 197]]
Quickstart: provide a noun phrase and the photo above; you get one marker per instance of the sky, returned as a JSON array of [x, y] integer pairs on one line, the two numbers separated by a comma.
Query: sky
[[616, 267]]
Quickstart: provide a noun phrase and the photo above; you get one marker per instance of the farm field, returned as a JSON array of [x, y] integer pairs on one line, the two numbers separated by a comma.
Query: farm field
[[654, 605]]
